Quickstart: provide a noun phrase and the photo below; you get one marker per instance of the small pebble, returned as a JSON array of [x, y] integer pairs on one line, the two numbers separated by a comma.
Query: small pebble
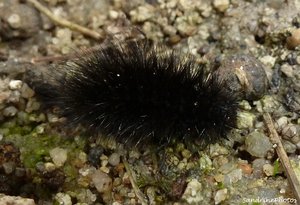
[[134, 154], [15, 84], [266, 104], [174, 39], [40, 166], [102, 181], [20, 20], [59, 156], [217, 150], [14, 96], [126, 179], [289, 147], [14, 21], [298, 145], [8, 167], [186, 153], [142, 13], [219, 177], [246, 168], [151, 195], [114, 159], [20, 172], [113, 14], [104, 162], [87, 197], [103, 157], [226, 168], [40, 129], [220, 161], [179, 147], [181, 165], [185, 4], [131, 195], [257, 144], [291, 133], [192, 193], [268, 170], [233, 176], [294, 40], [82, 157], [52, 118], [221, 195], [174, 160], [132, 202], [221, 5], [268, 61], [244, 75], [63, 40], [117, 182], [26, 91], [85, 171], [49, 167], [184, 26], [105, 169], [287, 70], [205, 162], [15, 200], [281, 122], [245, 105], [245, 120], [63, 198], [32, 105], [257, 165], [4, 96], [10, 111]]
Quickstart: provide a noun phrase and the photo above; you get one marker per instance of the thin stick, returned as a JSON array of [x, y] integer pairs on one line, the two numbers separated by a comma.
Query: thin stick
[[275, 139], [65, 23], [49, 58], [137, 191]]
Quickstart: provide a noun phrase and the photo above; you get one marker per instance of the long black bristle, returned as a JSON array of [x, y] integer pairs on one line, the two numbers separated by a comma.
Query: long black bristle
[[139, 93]]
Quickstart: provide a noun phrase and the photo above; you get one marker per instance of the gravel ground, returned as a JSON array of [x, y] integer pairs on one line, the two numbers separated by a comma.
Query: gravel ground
[[44, 160]]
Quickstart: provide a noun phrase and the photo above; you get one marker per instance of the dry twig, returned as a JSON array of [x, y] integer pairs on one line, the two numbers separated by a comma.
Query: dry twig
[[48, 59], [137, 191], [65, 23], [275, 139]]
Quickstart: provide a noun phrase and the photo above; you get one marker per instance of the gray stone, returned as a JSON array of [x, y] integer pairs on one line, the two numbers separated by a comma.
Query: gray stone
[[59, 156], [114, 159], [257, 144], [10, 111], [19, 20], [102, 181]]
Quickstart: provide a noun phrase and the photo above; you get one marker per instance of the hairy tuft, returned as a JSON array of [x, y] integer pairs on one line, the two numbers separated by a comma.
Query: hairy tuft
[[142, 93]]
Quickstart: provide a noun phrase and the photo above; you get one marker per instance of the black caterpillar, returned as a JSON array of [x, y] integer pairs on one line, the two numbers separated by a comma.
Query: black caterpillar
[[142, 93]]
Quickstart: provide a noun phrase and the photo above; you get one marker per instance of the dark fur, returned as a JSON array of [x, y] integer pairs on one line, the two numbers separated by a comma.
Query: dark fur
[[140, 93]]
